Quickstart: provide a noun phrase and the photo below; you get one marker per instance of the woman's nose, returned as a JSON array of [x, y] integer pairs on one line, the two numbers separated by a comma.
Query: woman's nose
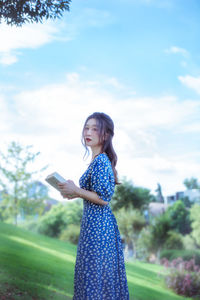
[[89, 132]]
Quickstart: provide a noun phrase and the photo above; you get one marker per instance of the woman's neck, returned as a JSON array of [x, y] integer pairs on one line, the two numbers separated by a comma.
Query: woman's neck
[[96, 151]]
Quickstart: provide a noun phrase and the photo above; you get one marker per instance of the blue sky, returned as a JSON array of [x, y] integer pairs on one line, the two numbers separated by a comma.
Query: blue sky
[[138, 61]]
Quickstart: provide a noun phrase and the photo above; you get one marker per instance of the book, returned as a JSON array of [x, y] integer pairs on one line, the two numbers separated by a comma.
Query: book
[[55, 178]]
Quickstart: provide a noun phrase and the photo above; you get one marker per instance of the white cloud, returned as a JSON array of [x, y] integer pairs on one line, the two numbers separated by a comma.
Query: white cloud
[[7, 58], [4, 115], [159, 3], [95, 17], [138, 117], [35, 35], [169, 171], [177, 50], [191, 82], [193, 127], [51, 118], [163, 4], [27, 36]]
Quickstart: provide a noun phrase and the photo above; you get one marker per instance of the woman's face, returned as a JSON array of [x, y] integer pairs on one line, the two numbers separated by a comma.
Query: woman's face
[[91, 134]]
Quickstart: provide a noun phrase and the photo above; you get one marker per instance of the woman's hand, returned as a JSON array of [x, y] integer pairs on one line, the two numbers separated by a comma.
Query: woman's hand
[[68, 189]]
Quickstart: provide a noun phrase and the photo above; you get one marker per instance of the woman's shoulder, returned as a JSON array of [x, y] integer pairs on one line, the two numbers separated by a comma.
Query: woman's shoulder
[[102, 158]]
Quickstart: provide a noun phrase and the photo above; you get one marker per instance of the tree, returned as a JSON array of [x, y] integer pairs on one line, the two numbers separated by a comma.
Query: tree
[[126, 195], [130, 222], [186, 201], [180, 217], [195, 218], [158, 236], [191, 183], [16, 183], [159, 233], [18, 12], [174, 240]]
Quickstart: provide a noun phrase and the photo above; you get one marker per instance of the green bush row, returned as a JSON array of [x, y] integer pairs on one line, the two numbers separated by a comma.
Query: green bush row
[[186, 255], [62, 222]]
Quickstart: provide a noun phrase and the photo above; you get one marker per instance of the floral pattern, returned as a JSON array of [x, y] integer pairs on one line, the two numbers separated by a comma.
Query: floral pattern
[[100, 270]]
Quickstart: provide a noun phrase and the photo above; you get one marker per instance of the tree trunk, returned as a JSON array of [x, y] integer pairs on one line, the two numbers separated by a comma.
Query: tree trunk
[[15, 211]]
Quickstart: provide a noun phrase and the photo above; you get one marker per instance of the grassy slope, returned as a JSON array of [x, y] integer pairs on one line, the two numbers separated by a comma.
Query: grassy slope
[[37, 267]]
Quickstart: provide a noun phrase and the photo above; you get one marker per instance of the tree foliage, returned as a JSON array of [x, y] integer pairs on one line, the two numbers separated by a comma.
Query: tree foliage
[[174, 240], [59, 217], [159, 233], [191, 183], [195, 218], [130, 222], [18, 12], [71, 234], [186, 201], [16, 182], [128, 196], [180, 217]]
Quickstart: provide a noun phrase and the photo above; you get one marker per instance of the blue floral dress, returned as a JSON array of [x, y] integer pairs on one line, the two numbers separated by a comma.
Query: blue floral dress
[[100, 270]]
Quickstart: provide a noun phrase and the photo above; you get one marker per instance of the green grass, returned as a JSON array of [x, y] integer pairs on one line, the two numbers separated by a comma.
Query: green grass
[[36, 267]]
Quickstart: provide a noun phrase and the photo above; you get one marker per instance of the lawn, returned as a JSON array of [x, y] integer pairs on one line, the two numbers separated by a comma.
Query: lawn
[[35, 267]]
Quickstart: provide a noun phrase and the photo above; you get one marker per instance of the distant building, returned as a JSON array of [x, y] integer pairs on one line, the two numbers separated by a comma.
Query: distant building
[[193, 195], [156, 208]]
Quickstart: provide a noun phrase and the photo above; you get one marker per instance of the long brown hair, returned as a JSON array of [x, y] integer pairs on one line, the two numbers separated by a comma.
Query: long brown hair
[[105, 127]]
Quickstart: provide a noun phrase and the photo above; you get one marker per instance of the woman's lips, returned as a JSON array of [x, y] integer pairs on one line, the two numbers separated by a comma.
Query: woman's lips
[[88, 140]]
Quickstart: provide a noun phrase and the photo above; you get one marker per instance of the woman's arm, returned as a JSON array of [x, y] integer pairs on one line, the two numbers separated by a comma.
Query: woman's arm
[[70, 190], [91, 196]]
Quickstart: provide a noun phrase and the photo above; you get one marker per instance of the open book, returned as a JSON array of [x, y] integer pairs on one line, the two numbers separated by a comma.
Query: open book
[[54, 178]]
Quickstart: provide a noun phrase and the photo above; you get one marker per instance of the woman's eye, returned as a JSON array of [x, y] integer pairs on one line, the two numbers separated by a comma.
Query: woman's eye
[[95, 130]]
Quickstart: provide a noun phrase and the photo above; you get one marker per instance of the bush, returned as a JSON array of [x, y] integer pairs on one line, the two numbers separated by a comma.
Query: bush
[[144, 244], [180, 217], [174, 241], [183, 276], [195, 218], [184, 254], [70, 234], [59, 217], [31, 225], [189, 242]]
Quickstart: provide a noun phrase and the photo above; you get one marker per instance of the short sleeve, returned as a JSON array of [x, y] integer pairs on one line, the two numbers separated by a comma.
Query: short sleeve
[[102, 178]]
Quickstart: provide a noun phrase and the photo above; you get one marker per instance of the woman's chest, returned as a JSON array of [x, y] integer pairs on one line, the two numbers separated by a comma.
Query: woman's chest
[[85, 179]]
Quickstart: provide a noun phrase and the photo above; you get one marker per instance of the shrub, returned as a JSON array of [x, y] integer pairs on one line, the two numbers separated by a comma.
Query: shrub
[[31, 225], [184, 254], [59, 217], [180, 217], [70, 234], [189, 242], [144, 244], [53, 222], [195, 218], [173, 241], [183, 276]]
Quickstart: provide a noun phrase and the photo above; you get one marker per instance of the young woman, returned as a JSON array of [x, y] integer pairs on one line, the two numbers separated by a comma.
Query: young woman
[[100, 270]]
